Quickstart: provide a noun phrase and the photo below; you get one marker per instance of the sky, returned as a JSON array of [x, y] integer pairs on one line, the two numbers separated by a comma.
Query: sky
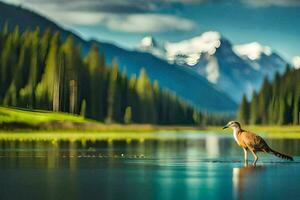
[[275, 23]]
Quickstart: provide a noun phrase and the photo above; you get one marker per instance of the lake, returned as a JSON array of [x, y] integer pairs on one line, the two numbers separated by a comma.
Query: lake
[[172, 166]]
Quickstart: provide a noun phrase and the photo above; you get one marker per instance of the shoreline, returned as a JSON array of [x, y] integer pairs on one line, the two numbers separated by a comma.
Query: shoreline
[[141, 133], [47, 125], [67, 126], [17, 120]]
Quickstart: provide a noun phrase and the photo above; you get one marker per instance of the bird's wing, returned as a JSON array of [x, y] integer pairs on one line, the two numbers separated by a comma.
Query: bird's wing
[[254, 141]]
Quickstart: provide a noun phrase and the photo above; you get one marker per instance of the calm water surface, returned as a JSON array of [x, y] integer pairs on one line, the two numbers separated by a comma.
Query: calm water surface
[[173, 166]]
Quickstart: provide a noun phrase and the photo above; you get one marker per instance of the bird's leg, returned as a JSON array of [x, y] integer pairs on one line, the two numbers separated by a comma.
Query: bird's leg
[[245, 157], [255, 157]]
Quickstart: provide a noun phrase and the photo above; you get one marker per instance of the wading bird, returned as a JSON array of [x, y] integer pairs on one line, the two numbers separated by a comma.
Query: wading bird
[[251, 141]]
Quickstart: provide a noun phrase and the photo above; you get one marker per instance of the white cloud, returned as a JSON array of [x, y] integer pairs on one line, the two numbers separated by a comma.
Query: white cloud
[[266, 3], [149, 23], [146, 4], [296, 62], [78, 18], [122, 21], [252, 50], [134, 23], [16, 2]]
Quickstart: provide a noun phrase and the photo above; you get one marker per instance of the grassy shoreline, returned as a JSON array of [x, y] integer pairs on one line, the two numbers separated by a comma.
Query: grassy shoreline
[[24, 124], [25, 120], [139, 135]]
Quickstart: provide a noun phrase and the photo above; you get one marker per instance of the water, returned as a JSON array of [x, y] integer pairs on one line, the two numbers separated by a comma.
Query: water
[[173, 166]]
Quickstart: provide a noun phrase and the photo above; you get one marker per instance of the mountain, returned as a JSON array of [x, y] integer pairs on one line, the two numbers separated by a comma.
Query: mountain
[[234, 69], [261, 58], [183, 81]]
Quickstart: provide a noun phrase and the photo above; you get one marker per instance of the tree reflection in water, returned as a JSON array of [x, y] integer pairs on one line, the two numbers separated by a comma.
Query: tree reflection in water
[[243, 177]]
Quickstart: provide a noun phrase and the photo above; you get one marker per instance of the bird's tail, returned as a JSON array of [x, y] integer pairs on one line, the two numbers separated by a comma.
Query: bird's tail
[[280, 155]]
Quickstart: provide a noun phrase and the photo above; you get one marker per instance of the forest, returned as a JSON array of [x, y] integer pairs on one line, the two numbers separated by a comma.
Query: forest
[[39, 70], [277, 103]]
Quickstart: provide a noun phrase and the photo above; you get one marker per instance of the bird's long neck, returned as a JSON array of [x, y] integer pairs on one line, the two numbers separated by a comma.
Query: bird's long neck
[[236, 132], [237, 129]]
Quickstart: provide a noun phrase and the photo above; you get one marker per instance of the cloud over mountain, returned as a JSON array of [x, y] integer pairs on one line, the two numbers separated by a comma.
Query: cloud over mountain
[[138, 6], [125, 22], [266, 3], [123, 16]]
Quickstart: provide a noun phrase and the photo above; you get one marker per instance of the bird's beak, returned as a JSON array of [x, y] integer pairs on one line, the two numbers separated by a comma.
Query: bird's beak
[[225, 127]]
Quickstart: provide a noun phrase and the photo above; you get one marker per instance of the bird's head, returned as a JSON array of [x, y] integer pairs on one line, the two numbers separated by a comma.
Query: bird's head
[[232, 124]]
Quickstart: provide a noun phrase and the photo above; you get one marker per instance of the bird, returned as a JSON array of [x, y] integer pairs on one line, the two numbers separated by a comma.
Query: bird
[[252, 142]]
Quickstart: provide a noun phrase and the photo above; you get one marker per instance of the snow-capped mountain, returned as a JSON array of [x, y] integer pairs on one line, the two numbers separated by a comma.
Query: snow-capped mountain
[[261, 58], [234, 69], [183, 52]]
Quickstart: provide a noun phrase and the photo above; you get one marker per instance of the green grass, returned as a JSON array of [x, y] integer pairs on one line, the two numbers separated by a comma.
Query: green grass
[[129, 135], [41, 121], [34, 117], [94, 130]]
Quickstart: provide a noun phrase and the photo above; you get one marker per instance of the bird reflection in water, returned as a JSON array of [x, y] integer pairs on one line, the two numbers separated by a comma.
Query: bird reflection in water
[[243, 177]]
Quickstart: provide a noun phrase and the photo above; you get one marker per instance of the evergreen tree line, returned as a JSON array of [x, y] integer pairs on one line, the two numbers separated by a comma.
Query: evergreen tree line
[[39, 71], [277, 103]]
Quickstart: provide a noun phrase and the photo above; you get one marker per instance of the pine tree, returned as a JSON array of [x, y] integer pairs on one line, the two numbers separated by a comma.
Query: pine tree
[[243, 114], [69, 66], [128, 115], [18, 78], [132, 99], [28, 92], [253, 109], [146, 99], [47, 90], [83, 108], [263, 99], [282, 112], [95, 68], [8, 62], [296, 108], [111, 95]]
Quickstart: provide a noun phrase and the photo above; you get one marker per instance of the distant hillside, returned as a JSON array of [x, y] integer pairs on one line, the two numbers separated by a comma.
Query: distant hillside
[[183, 81]]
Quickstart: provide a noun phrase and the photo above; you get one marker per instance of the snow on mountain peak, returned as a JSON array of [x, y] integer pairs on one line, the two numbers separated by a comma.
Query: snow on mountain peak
[[214, 58], [252, 51], [190, 50], [183, 52], [296, 62], [147, 42], [212, 70]]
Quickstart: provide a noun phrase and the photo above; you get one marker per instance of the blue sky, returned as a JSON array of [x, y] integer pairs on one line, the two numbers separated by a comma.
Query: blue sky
[[275, 23]]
